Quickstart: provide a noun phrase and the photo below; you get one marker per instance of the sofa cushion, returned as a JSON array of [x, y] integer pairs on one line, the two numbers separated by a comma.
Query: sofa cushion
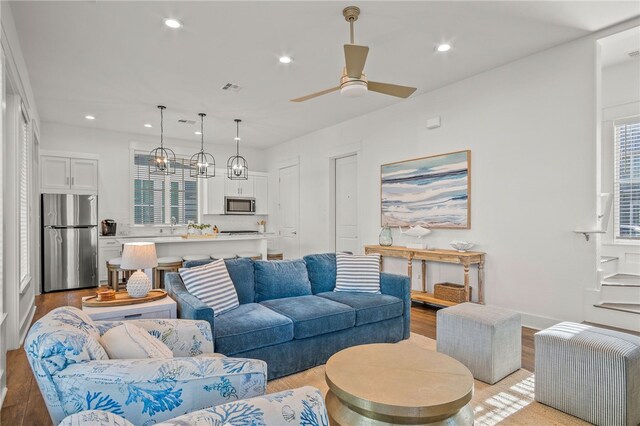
[[241, 272], [313, 315], [322, 271], [280, 279], [250, 326], [369, 307]]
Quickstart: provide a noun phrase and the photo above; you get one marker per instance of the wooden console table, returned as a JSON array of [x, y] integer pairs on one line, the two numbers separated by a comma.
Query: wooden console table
[[465, 259]]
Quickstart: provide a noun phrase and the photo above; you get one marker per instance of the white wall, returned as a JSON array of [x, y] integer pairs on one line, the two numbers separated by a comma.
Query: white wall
[[620, 99], [531, 128], [113, 149]]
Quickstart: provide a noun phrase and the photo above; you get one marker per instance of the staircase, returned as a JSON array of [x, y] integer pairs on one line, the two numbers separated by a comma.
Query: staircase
[[616, 302]]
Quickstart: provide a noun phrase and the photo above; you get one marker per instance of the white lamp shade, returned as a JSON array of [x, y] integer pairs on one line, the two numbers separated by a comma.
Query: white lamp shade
[[139, 256]]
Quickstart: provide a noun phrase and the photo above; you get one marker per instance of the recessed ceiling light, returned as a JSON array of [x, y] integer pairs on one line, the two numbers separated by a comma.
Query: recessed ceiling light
[[89, 117], [285, 59], [444, 47], [148, 125], [198, 133], [173, 23]]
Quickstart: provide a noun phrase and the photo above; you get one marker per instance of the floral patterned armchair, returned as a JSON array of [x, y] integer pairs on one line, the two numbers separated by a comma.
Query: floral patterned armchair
[[303, 406], [75, 374]]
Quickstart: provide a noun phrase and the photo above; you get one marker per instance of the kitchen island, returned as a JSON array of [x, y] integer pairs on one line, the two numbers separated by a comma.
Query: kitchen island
[[176, 245]]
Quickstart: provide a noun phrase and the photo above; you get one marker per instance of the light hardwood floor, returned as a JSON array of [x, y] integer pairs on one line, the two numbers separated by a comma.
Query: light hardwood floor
[[24, 404]]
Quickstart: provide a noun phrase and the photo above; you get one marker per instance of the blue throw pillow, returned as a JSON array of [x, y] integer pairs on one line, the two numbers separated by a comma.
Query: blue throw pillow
[[322, 271], [280, 279]]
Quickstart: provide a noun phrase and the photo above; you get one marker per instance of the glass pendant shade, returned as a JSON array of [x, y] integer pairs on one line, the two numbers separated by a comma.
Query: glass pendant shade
[[162, 160], [202, 164], [237, 167]]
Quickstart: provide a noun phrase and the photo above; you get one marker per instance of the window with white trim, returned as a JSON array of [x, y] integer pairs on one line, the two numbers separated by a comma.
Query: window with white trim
[[627, 178], [158, 198], [24, 196]]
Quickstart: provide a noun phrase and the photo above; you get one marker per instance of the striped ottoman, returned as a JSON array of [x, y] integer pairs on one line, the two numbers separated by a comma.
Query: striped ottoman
[[486, 339], [590, 373]]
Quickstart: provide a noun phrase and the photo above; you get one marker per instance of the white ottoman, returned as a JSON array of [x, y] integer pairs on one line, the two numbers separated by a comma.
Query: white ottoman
[[486, 339], [590, 373]]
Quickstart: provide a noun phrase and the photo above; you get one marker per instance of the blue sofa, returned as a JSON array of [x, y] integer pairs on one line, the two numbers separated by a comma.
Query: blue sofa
[[289, 315]]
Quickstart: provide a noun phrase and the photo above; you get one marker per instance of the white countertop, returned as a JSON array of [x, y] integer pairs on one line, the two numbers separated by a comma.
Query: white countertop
[[179, 239]]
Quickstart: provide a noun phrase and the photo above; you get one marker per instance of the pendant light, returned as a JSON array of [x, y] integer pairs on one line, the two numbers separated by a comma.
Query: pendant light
[[237, 167], [203, 165], [162, 160]]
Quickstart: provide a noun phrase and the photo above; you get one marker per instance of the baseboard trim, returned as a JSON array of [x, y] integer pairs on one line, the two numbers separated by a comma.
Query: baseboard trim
[[537, 322], [3, 394], [25, 324]]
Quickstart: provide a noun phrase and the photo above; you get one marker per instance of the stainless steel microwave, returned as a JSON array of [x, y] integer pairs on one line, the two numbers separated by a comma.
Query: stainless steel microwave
[[239, 205]]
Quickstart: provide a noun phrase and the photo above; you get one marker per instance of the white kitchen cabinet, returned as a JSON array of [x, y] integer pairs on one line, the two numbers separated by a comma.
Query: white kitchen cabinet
[[213, 190], [261, 193], [239, 188], [67, 174], [55, 174], [84, 174], [108, 248]]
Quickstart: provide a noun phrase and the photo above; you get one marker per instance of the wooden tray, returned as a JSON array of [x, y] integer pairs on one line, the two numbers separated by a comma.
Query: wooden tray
[[123, 298], [199, 237]]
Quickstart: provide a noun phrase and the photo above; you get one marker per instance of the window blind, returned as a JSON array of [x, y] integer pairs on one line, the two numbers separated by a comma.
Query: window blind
[[158, 198], [627, 178], [23, 197]]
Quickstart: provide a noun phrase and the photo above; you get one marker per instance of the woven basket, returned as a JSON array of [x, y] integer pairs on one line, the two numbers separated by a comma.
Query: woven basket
[[450, 292]]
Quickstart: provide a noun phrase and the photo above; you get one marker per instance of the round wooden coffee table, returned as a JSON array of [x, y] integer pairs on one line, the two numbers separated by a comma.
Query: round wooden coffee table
[[388, 384]]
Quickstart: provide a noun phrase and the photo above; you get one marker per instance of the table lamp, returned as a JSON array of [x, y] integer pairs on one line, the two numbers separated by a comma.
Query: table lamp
[[139, 256]]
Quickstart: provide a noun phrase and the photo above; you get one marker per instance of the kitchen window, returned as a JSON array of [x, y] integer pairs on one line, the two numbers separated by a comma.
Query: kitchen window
[[627, 179], [158, 198]]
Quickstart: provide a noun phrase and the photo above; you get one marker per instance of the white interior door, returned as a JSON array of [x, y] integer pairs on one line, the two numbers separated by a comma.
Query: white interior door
[[346, 204], [289, 210]]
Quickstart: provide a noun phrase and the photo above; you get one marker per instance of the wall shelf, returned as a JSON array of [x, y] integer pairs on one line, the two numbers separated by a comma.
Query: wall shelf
[[587, 233]]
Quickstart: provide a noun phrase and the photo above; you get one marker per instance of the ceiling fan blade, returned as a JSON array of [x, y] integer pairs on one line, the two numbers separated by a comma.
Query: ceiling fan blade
[[315, 95], [355, 56], [391, 89]]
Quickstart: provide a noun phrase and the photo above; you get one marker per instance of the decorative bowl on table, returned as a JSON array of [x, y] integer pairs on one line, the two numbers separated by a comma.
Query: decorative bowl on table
[[461, 246]]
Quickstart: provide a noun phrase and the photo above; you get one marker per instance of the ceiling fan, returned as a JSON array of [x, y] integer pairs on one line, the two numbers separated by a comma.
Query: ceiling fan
[[354, 82]]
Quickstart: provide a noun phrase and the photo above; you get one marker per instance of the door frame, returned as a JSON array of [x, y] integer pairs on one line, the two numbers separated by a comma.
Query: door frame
[[294, 161], [337, 153]]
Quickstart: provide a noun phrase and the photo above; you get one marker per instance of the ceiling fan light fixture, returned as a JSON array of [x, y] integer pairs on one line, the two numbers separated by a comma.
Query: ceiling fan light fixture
[[354, 89]]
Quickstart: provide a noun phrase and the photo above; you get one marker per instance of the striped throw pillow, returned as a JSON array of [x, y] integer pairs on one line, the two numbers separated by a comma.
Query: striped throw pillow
[[211, 284], [358, 273]]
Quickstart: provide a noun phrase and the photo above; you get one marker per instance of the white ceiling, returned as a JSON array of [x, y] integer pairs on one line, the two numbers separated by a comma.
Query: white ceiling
[[615, 48], [117, 61]]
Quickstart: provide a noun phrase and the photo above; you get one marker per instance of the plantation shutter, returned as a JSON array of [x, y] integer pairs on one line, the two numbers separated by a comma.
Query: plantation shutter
[[24, 195], [158, 198], [627, 178]]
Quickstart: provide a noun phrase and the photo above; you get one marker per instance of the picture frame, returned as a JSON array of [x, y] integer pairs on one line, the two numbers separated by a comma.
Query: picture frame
[[432, 191]]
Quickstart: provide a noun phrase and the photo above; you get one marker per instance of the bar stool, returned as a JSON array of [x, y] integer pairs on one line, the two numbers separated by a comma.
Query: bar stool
[[191, 257], [165, 264], [251, 255], [113, 273], [224, 256], [275, 255]]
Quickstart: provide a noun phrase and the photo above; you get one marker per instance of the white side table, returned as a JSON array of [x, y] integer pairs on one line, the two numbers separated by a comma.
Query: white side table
[[158, 309]]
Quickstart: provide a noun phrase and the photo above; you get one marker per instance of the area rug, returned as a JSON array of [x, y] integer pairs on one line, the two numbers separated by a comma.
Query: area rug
[[508, 402]]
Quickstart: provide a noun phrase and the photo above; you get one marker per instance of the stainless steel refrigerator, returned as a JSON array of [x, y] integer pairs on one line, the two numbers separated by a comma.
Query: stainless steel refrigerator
[[69, 241]]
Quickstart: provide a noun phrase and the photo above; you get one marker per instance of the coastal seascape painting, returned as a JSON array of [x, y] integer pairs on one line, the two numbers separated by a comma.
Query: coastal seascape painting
[[433, 192]]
